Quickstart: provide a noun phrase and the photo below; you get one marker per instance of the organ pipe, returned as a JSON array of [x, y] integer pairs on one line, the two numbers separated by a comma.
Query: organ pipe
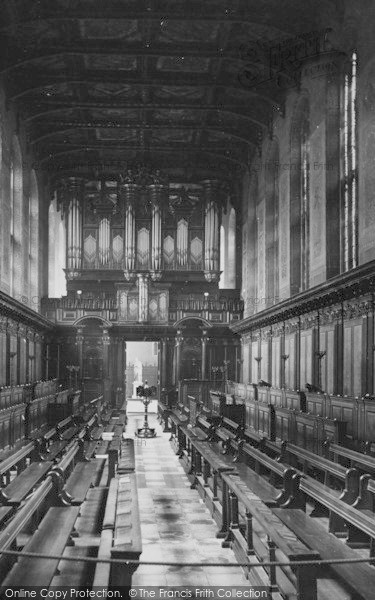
[[211, 225], [157, 194], [131, 195], [182, 243], [73, 196], [104, 241]]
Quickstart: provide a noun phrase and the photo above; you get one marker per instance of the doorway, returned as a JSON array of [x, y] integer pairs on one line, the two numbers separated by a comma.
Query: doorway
[[142, 368]]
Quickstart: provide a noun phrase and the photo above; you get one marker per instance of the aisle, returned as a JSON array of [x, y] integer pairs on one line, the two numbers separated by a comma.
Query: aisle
[[176, 525]]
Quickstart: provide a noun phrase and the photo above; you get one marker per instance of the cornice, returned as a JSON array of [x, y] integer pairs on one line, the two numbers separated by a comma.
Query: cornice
[[18, 311], [338, 290]]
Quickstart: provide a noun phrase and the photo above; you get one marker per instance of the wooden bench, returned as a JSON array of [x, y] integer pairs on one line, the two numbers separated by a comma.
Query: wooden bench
[[69, 433], [359, 577], [51, 537], [126, 463], [90, 449], [228, 431], [5, 513], [270, 495], [56, 449], [210, 456], [80, 481], [355, 459], [121, 533], [332, 472], [260, 461], [204, 463], [24, 483], [114, 451], [103, 570], [47, 492], [300, 580], [66, 465], [163, 415], [203, 429], [359, 525], [62, 425], [185, 434], [17, 460], [178, 416], [96, 433]]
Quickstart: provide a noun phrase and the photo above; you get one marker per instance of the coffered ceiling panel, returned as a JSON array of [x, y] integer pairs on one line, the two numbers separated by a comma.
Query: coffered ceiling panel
[[100, 84]]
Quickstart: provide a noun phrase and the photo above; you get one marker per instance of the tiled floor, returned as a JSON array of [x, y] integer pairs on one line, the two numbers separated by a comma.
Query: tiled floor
[[176, 525]]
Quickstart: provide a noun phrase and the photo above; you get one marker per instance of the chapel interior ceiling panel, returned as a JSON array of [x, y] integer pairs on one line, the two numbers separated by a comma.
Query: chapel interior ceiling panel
[[99, 85]]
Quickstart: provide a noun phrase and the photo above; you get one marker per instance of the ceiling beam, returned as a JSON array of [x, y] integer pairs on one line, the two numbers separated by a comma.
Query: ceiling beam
[[229, 108], [186, 80], [171, 150], [83, 126], [191, 13], [110, 48]]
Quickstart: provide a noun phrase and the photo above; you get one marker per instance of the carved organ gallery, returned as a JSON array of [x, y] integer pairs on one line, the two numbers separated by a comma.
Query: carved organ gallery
[[151, 249]]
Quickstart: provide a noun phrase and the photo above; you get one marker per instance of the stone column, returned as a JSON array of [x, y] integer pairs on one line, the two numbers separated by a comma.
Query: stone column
[[204, 341], [177, 357], [164, 357], [79, 342]]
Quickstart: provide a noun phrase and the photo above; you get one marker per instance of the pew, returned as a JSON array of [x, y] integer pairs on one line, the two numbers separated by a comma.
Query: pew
[[163, 415], [80, 481], [62, 425], [17, 460], [228, 431], [21, 486], [51, 537], [97, 432], [332, 472], [121, 533], [298, 581], [66, 465], [56, 449], [103, 570], [359, 577], [126, 463], [55, 432], [47, 491], [360, 526], [5, 513], [204, 429], [356, 459], [90, 449], [260, 461]]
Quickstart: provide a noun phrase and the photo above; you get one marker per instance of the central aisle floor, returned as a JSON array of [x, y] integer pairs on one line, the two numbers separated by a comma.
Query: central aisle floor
[[176, 525]]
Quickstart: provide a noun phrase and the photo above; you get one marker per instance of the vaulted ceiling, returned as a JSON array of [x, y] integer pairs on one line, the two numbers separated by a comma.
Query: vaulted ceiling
[[184, 84]]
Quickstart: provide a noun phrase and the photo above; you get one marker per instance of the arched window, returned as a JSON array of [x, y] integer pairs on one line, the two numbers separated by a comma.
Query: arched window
[[300, 199], [222, 282], [16, 221], [34, 243], [228, 249], [56, 252], [350, 203], [231, 261], [272, 225]]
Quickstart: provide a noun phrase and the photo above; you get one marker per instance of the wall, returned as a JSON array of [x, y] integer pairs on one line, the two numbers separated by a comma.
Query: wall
[[334, 349], [22, 330]]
